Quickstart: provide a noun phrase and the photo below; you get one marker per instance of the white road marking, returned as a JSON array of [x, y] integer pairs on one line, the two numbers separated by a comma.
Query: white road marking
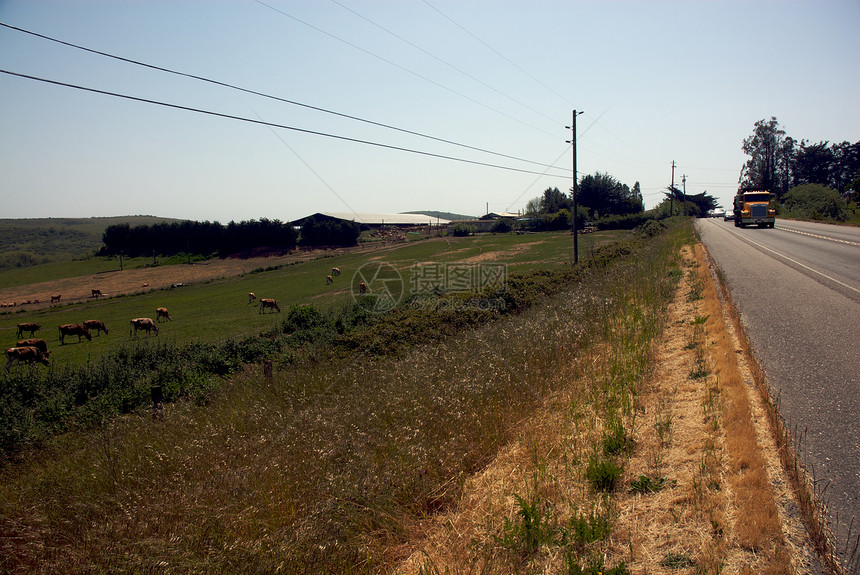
[[843, 284], [820, 237]]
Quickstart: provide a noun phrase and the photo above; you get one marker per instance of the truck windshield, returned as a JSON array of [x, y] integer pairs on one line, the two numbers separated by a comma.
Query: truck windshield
[[760, 197]]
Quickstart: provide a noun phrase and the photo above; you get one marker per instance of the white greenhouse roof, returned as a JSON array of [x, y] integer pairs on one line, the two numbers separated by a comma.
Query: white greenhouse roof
[[384, 219]]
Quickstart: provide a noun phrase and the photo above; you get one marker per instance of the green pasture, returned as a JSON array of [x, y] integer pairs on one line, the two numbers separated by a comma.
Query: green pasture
[[70, 268], [213, 311]]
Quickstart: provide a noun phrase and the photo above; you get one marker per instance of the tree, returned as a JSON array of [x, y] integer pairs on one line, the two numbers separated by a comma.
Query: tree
[[554, 201], [603, 195], [771, 154]]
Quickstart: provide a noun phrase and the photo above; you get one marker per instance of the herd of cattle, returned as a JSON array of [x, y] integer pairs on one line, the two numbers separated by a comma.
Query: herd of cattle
[[34, 350]]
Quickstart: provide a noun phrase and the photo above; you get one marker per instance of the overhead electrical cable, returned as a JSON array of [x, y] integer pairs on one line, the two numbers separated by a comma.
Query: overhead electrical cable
[[272, 124], [264, 95], [502, 56], [445, 62], [407, 70]]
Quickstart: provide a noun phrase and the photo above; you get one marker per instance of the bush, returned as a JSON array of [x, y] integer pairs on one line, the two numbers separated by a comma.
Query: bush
[[462, 230], [502, 226], [816, 202]]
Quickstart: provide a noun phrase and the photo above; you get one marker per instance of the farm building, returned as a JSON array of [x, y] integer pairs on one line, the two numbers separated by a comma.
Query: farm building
[[377, 220]]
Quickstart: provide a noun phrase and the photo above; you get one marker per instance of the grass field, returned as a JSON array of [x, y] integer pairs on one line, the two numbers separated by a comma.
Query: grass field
[[214, 310], [24, 242]]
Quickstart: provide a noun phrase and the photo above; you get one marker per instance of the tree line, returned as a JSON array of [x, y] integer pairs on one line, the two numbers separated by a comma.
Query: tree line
[[212, 238], [778, 162], [167, 239]]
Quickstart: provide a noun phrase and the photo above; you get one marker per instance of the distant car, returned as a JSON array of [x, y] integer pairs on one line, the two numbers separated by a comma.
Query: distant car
[[728, 217], [718, 213]]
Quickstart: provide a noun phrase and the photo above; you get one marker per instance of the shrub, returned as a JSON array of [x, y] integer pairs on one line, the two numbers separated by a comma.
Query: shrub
[[462, 230], [603, 473], [816, 202], [502, 226]]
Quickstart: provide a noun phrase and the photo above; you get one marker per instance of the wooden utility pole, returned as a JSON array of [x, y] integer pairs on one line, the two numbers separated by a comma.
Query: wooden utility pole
[[572, 142], [683, 192], [672, 192]]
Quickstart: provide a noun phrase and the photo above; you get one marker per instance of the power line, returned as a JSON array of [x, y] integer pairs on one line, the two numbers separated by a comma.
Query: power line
[[264, 95], [271, 124], [407, 70], [438, 59], [499, 54]]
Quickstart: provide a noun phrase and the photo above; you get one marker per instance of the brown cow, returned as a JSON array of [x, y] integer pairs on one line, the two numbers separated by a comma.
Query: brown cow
[[143, 323], [96, 293], [362, 287], [329, 279], [335, 272], [74, 329], [251, 297], [162, 312], [27, 354], [269, 303], [56, 298], [39, 344], [31, 327], [97, 325]]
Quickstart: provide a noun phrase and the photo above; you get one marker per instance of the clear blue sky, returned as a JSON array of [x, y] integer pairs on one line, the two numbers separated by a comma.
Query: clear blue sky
[[658, 81]]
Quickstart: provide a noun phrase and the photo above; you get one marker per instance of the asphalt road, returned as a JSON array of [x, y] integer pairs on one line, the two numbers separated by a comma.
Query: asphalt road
[[797, 289]]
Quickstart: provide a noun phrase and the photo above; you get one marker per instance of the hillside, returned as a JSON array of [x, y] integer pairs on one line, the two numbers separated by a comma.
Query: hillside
[[30, 241]]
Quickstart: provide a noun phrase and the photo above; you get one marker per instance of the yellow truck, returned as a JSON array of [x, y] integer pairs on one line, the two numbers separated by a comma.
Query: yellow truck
[[753, 207]]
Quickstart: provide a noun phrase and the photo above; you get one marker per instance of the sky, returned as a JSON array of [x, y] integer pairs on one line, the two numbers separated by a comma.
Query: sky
[[304, 106]]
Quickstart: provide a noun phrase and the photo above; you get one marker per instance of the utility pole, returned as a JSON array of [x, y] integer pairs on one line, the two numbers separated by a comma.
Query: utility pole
[[572, 142], [672, 192], [683, 190]]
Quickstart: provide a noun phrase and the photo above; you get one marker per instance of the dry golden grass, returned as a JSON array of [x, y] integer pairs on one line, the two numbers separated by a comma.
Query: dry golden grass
[[706, 437]]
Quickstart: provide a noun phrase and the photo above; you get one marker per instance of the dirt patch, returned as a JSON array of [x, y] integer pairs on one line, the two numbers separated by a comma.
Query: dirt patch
[[121, 282], [502, 254]]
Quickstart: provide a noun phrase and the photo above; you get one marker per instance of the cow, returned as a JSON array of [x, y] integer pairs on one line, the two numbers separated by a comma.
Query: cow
[[39, 344], [362, 288], [26, 354], [96, 293], [329, 279], [162, 312], [97, 325], [31, 327], [142, 323], [74, 329], [269, 303], [251, 297], [56, 298], [335, 272]]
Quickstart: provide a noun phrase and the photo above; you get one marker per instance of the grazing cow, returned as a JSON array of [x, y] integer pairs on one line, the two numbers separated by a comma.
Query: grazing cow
[[269, 303], [329, 279], [251, 297], [96, 293], [335, 272], [96, 324], [39, 344], [27, 354], [74, 329], [143, 323], [362, 288], [56, 298], [162, 312], [31, 327]]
